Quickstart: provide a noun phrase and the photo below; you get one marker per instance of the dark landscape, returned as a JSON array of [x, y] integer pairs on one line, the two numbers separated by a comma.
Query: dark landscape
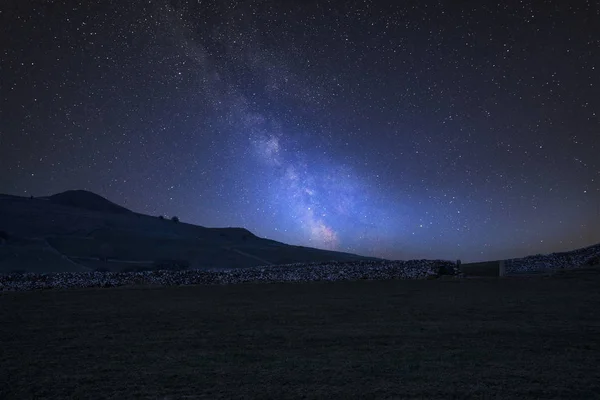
[[268, 199], [505, 338], [78, 239], [346, 328]]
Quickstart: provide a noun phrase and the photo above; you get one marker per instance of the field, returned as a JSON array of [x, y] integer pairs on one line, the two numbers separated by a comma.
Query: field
[[534, 337]]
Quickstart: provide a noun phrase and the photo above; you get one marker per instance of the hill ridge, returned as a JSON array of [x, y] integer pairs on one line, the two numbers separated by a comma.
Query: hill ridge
[[87, 200], [52, 233]]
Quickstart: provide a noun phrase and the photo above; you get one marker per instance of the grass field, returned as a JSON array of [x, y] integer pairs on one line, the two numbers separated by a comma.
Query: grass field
[[474, 338]]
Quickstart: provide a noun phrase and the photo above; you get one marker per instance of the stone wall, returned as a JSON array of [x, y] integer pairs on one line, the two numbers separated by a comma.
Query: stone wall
[[552, 262], [332, 271]]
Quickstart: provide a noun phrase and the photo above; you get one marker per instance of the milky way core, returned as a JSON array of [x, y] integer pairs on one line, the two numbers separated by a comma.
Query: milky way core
[[400, 131]]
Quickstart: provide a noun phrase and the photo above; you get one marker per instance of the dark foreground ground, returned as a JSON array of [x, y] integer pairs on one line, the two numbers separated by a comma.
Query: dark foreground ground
[[536, 337]]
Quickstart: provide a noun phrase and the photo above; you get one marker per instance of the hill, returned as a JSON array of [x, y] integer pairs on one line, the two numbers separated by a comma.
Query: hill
[[81, 231], [86, 200]]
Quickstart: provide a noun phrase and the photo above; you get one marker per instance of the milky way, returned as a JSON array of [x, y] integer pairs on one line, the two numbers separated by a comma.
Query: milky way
[[400, 131]]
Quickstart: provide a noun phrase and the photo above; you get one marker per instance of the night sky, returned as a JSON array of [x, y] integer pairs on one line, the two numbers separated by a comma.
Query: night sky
[[417, 130]]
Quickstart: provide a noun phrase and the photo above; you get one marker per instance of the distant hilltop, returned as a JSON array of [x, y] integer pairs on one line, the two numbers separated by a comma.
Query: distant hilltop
[[86, 200]]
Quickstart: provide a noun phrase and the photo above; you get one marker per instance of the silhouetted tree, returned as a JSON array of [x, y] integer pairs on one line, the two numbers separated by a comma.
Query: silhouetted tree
[[161, 217], [175, 219]]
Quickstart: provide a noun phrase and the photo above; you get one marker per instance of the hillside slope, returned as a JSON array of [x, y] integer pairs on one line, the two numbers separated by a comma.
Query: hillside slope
[[82, 231]]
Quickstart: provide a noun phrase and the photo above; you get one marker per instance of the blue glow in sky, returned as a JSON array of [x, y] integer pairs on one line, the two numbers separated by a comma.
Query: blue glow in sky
[[395, 130]]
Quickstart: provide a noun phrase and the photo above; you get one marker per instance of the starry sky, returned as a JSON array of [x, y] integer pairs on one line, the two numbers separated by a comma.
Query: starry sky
[[416, 129]]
